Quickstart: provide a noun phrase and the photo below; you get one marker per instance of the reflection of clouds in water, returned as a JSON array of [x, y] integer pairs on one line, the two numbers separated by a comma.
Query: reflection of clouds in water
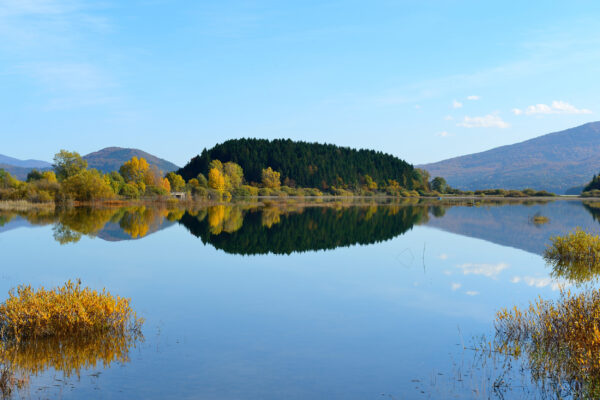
[[540, 282], [489, 270], [455, 286], [471, 293]]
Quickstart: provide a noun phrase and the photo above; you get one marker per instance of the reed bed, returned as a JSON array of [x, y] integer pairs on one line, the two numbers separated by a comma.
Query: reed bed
[[65, 311]]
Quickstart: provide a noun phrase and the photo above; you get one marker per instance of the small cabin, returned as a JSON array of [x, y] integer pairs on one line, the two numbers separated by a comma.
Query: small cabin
[[178, 195]]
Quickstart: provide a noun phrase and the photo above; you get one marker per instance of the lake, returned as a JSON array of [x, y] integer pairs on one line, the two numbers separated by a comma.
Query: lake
[[294, 300]]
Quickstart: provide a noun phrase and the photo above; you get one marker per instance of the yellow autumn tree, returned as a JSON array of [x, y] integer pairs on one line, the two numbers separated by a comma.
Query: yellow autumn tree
[[134, 171], [216, 180], [166, 184], [271, 178], [176, 181]]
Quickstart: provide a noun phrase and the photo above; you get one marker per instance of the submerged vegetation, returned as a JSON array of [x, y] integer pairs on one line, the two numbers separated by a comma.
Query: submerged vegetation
[[68, 329], [66, 311], [539, 219], [559, 340], [575, 256]]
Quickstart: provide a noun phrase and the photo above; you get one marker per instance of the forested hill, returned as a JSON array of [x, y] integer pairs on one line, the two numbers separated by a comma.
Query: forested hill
[[306, 164], [111, 158]]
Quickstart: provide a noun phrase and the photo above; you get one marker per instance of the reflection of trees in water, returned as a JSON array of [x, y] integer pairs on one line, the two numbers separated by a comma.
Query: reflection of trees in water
[[68, 355], [72, 223], [593, 207], [281, 230]]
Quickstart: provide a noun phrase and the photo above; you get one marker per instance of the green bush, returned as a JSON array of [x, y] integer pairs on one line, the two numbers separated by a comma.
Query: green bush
[[265, 192], [130, 191], [152, 190], [245, 191], [199, 191]]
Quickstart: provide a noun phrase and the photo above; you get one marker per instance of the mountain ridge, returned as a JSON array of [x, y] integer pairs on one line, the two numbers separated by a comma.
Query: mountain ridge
[[105, 160], [556, 162], [111, 158], [7, 160]]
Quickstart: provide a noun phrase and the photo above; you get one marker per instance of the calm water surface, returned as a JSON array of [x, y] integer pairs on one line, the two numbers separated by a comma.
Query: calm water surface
[[295, 302]]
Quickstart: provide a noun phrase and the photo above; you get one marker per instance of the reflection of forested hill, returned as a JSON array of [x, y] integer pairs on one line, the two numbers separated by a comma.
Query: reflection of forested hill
[[113, 232], [7, 224], [271, 230], [511, 225]]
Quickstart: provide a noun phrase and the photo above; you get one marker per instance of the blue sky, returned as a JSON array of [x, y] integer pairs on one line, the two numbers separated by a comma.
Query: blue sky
[[423, 80]]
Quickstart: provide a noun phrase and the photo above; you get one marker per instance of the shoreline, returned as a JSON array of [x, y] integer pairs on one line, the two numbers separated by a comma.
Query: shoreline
[[16, 205]]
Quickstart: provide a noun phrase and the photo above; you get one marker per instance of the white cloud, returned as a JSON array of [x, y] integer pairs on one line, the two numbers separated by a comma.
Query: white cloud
[[456, 104], [455, 286], [471, 293], [443, 256], [473, 97], [487, 121], [557, 107], [448, 117], [540, 282], [489, 270], [443, 134]]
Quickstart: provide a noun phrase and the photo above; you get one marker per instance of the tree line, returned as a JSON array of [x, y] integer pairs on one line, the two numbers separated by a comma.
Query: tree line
[[71, 180]]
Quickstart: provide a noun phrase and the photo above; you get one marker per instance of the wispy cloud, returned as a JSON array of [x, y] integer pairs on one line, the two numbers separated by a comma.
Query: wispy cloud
[[540, 282], [487, 121], [488, 270], [471, 293], [455, 286], [456, 104], [557, 107], [473, 97], [443, 134], [46, 42]]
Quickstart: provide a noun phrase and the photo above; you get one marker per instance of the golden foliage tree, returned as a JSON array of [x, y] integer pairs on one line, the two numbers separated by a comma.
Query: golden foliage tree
[[271, 178], [176, 181], [216, 180], [87, 185], [134, 170], [166, 184], [234, 175]]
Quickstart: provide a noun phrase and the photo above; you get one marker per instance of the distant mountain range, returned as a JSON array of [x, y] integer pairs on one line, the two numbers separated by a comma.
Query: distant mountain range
[[105, 160], [6, 160], [561, 162]]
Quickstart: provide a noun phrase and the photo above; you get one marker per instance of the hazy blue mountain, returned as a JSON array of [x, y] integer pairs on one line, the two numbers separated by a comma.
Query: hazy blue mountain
[[111, 159], [555, 162], [19, 172], [6, 160]]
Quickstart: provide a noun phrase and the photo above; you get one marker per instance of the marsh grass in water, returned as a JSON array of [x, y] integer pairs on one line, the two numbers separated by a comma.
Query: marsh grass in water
[[539, 219], [68, 329], [560, 341], [575, 256], [65, 311]]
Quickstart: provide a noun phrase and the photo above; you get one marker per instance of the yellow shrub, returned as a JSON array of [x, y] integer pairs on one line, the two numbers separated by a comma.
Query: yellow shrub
[[66, 311]]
